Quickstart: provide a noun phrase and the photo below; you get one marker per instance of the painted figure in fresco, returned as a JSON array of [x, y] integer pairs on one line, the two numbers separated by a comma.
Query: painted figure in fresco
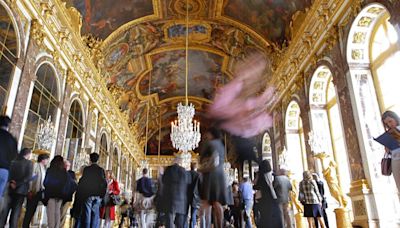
[[168, 76], [101, 18], [269, 18]]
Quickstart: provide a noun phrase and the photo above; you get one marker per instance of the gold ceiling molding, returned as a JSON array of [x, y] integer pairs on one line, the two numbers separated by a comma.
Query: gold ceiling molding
[[320, 25], [51, 21]]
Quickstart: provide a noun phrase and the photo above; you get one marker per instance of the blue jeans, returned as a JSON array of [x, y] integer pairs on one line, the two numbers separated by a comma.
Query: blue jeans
[[3, 181], [193, 217], [91, 212], [248, 206]]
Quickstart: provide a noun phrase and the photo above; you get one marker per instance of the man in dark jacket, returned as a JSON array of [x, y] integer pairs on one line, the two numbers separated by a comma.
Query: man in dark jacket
[[176, 181], [145, 187], [91, 188], [8, 152], [21, 171], [193, 194]]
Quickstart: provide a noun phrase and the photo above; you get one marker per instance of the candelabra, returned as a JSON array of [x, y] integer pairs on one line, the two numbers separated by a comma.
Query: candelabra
[[46, 135]]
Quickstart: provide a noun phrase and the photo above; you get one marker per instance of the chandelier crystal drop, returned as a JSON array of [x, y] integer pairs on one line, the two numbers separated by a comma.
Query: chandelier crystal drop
[[185, 133]]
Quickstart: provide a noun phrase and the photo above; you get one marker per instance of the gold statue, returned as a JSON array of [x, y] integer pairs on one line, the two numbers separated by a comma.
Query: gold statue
[[294, 196], [329, 171]]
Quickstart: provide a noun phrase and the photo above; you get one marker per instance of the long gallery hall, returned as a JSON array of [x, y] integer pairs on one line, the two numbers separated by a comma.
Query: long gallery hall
[[200, 113]]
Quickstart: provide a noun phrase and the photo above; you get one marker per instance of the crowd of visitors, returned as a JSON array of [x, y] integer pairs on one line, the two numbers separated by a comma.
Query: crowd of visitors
[[196, 198]]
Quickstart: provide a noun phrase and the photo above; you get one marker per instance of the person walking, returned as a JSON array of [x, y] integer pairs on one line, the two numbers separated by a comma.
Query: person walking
[[270, 213], [107, 211], [213, 184], [311, 199], [283, 187], [324, 204], [193, 194], [21, 171], [145, 187], [36, 189], [175, 187], [247, 194], [8, 152], [91, 189]]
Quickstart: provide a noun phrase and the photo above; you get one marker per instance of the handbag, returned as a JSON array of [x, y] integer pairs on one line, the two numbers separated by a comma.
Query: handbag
[[386, 165], [115, 199], [302, 196]]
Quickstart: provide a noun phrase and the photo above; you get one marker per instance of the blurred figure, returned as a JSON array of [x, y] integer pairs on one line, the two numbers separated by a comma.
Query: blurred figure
[[312, 199], [212, 185], [36, 189], [270, 213], [145, 187], [175, 187], [66, 205], [247, 193], [238, 105], [193, 194], [159, 200], [126, 212], [21, 170], [91, 188], [8, 152], [324, 204], [283, 187], [237, 203], [107, 211]]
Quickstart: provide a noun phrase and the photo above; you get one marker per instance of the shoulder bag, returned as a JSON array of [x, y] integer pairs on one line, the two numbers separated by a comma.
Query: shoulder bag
[[386, 164]]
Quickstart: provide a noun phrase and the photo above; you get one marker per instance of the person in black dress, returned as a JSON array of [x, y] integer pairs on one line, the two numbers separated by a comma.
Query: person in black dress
[[324, 204], [213, 184], [270, 213]]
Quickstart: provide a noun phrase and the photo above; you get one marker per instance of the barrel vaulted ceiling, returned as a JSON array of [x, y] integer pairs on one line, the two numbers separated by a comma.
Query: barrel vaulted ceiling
[[142, 46]]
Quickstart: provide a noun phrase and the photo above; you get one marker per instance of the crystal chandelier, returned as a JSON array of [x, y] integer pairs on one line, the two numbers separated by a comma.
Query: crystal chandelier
[[185, 135], [46, 135]]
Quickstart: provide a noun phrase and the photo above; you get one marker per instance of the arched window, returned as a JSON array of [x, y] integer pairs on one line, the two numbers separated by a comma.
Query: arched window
[[295, 145], [103, 152], [44, 104], [115, 163], [8, 55], [73, 137], [384, 60], [326, 122], [266, 148]]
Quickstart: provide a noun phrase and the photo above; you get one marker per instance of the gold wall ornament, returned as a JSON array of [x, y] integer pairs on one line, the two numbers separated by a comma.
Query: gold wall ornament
[[94, 47], [75, 19], [36, 32], [47, 8]]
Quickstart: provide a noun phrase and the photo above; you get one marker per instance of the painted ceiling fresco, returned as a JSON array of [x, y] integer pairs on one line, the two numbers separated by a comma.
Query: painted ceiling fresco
[[147, 46], [168, 74], [102, 17], [270, 18]]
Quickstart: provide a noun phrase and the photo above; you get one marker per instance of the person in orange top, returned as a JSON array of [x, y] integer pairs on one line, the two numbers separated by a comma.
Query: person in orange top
[[107, 211]]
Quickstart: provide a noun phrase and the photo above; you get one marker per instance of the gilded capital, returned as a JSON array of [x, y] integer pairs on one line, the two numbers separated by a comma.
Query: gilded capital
[[37, 32]]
